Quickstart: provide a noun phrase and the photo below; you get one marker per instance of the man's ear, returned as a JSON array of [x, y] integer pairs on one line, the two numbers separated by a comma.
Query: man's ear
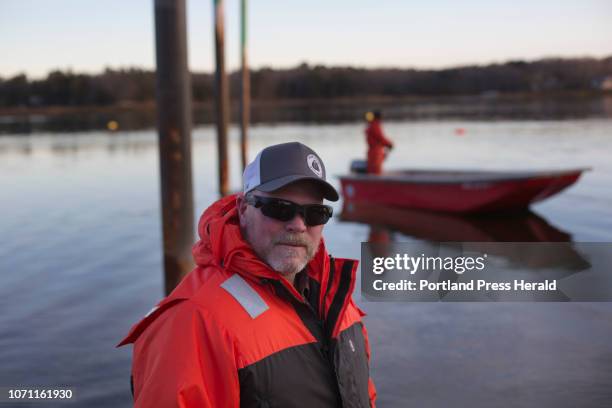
[[241, 205]]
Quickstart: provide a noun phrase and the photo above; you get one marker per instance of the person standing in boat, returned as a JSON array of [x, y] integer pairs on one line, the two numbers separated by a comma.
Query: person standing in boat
[[377, 142]]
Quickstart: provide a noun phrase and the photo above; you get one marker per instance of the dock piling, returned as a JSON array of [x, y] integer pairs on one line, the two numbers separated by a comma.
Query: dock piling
[[221, 97], [174, 131], [245, 100]]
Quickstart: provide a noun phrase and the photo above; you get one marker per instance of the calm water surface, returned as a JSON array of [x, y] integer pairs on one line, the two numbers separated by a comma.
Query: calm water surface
[[80, 262]]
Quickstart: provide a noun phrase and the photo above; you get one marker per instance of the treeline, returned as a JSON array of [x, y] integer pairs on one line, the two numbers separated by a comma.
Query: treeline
[[311, 82]]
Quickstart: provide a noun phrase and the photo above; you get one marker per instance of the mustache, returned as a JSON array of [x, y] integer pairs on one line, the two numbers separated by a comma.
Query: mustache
[[292, 239]]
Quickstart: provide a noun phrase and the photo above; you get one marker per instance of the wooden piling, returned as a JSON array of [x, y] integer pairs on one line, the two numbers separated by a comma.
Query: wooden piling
[[245, 100], [221, 98], [174, 129]]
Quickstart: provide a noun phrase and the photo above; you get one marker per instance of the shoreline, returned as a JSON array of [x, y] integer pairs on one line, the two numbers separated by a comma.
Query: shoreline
[[352, 102]]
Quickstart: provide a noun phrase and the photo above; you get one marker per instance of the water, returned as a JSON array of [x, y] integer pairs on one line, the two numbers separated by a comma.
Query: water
[[80, 262]]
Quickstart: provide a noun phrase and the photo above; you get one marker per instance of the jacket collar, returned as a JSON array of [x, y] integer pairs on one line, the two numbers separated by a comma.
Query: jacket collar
[[221, 244]]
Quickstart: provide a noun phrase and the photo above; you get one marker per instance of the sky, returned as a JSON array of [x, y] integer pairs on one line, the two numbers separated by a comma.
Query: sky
[[37, 36]]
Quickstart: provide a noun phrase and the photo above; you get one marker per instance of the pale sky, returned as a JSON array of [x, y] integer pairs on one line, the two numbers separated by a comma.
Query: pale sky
[[87, 35]]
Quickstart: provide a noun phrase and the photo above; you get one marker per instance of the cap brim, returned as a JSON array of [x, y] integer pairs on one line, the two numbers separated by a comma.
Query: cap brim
[[329, 192]]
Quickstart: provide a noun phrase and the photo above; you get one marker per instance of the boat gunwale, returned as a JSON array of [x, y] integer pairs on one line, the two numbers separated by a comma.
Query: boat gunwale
[[461, 176]]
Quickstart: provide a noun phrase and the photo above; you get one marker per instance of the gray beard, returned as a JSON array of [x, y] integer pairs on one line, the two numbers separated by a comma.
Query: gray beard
[[281, 265]]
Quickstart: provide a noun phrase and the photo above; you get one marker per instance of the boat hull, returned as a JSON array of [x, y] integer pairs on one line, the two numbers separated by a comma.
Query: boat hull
[[457, 192]]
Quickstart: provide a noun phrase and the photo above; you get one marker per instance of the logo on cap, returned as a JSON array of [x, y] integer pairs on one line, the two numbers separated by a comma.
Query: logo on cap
[[314, 165]]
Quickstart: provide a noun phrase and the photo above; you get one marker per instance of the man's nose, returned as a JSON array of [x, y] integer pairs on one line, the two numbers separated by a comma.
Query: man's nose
[[296, 224]]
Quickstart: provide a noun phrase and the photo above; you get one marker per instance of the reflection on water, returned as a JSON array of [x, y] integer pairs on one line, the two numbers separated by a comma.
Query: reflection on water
[[537, 262], [76, 122], [80, 261], [445, 227], [325, 111]]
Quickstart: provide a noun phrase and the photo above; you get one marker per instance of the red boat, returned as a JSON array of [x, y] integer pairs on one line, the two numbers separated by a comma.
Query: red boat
[[457, 191]]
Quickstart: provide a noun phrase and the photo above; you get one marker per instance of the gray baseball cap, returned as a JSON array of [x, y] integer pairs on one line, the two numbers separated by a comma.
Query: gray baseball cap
[[285, 163]]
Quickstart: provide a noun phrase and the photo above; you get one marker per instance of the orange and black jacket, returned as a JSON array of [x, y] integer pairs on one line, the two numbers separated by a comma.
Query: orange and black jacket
[[377, 142], [234, 333]]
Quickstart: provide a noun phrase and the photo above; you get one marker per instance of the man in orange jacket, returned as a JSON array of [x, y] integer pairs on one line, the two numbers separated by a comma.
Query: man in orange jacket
[[377, 142], [266, 318]]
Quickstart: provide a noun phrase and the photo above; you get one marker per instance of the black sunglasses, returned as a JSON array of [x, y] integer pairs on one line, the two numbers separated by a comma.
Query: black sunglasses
[[284, 210]]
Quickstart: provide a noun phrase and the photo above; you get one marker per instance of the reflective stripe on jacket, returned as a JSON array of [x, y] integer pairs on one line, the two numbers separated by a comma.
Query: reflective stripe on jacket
[[236, 334]]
